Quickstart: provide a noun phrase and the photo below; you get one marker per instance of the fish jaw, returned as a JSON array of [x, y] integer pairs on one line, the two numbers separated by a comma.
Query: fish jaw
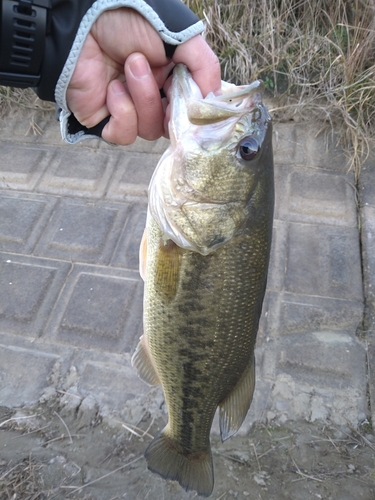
[[189, 107], [200, 191]]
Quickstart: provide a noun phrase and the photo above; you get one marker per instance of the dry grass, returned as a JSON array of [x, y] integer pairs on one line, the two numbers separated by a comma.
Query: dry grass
[[21, 481], [24, 99], [318, 56], [25, 103]]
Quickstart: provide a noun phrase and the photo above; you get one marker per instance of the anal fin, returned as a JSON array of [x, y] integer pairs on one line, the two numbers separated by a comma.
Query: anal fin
[[233, 409]]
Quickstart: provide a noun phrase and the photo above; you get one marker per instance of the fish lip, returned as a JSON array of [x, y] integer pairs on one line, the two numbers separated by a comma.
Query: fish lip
[[234, 101], [254, 88], [182, 75]]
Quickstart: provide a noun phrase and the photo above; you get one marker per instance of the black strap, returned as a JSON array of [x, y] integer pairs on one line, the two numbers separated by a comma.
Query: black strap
[[169, 49], [23, 31], [74, 127]]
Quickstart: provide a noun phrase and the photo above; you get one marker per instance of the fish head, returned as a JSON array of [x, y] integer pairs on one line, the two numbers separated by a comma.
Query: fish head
[[204, 187]]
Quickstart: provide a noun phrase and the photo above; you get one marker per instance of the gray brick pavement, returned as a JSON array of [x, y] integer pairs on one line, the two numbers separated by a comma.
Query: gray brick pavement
[[82, 231], [367, 221], [98, 308], [29, 289], [71, 296]]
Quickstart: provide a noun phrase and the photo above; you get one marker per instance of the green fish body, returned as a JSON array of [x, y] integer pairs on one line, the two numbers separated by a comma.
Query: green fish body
[[204, 258]]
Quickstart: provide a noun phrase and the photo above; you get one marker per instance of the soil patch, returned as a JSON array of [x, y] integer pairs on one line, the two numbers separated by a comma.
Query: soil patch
[[48, 454]]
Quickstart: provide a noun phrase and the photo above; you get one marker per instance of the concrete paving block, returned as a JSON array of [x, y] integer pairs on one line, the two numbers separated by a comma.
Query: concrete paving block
[[278, 255], [315, 376], [111, 384], [327, 359], [79, 172], [24, 374], [366, 192], [127, 251], [99, 308], [22, 220], [115, 383], [21, 167], [316, 259], [50, 126], [83, 231], [132, 176], [368, 253], [41, 127], [323, 147], [28, 289], [323, 261], [370, 338], [296, 313], [293, 399], [44, 128], [64, 353], [366, 185], [309, 145], [315, 195], [286, 149], [17, 129]]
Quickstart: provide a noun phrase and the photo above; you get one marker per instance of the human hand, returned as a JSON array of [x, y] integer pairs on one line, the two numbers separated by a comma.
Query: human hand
[[120, 70]]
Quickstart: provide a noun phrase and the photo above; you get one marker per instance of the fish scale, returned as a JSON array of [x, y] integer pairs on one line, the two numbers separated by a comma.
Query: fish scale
[[205, 270]]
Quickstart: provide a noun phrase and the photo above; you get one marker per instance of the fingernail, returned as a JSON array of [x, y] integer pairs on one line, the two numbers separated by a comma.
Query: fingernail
[[139, 67]]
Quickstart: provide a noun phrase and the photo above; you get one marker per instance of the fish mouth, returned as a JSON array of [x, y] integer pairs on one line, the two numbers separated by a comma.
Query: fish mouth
[[189, 106], [233, 101]]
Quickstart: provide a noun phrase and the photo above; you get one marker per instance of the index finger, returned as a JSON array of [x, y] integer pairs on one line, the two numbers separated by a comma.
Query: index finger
[[202, 63]]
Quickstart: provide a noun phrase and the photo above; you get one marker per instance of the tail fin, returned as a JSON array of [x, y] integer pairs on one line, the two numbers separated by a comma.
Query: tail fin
[[193, 473]]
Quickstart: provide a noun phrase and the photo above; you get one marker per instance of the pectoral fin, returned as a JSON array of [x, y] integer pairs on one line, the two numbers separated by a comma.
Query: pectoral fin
[[167, 269], [142, 362], [233, 410]]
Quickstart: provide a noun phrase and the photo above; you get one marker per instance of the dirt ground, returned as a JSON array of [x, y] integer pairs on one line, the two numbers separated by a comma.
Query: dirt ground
[[48, 454]]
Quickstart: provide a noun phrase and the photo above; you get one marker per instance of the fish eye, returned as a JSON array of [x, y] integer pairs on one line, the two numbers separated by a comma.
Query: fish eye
[[248, 148]]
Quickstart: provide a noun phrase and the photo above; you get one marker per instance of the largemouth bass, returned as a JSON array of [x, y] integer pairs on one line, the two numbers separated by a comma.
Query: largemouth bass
[[204, 259]]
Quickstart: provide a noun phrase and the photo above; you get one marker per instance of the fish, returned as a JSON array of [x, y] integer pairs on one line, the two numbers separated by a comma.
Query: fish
[[204, 260]]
